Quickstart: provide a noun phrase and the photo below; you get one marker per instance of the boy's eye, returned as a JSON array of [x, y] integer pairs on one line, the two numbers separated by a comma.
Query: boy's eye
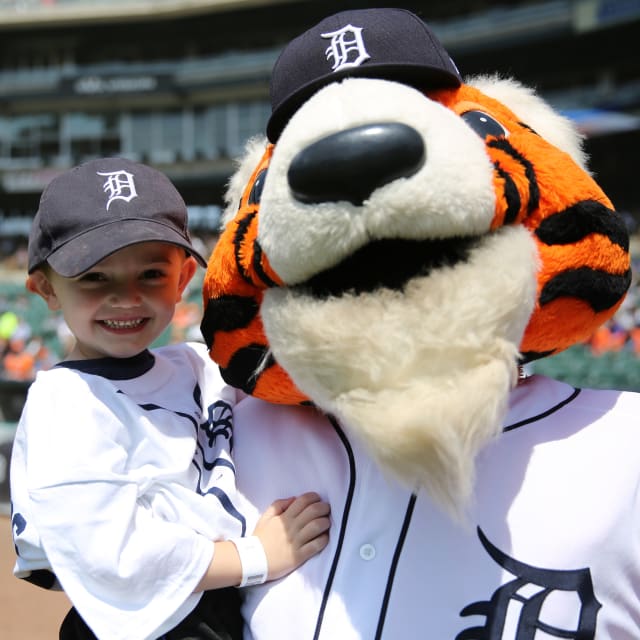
[[92, 276], [152, 274]]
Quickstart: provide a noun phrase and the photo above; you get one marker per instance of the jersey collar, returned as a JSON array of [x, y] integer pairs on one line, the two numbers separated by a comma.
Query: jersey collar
[[114, 368]]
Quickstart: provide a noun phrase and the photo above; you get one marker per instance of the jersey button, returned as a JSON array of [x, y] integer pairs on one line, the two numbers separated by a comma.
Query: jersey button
[[367, 552]]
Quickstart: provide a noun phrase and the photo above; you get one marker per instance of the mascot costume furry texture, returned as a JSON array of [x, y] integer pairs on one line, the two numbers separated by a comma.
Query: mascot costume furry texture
[[400, 244]]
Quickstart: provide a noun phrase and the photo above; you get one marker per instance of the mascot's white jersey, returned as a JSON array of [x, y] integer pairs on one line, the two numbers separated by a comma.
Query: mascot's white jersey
[[120, 485], [551, 548]]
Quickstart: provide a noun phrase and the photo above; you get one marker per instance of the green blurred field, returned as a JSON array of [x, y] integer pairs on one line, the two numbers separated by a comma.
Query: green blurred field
[[579, 367]]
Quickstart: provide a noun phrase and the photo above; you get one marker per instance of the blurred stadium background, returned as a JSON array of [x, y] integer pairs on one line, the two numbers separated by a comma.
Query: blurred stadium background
[[183, 84]]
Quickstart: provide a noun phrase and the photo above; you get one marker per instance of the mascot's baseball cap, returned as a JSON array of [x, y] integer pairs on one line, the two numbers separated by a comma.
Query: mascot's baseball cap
[[99, 207], [391, 44]]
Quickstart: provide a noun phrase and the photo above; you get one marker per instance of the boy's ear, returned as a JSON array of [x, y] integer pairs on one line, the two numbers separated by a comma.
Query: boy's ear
[[187, 272], [38, 283]]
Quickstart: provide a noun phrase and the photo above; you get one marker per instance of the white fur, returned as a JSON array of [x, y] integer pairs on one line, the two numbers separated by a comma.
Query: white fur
[[254, 150], [421, 377]]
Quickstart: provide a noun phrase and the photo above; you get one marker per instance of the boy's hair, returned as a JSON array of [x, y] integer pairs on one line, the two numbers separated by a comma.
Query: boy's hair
[[99, 207]]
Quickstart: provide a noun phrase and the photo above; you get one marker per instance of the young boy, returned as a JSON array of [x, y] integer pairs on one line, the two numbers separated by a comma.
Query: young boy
[[122, 481]]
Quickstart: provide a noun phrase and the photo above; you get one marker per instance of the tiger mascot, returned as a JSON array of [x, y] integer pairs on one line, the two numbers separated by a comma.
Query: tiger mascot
[[393, 253]]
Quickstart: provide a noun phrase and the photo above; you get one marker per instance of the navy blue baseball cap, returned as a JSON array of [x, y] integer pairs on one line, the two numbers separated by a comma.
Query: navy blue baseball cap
[[100, 207], [391, 44]]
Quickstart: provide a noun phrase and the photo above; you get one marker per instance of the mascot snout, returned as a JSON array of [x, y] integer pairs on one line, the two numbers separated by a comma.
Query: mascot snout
[[351, 164]]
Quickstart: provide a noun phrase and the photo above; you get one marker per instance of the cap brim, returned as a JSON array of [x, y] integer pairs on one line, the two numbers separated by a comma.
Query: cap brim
[[86, 250], [416, 75]]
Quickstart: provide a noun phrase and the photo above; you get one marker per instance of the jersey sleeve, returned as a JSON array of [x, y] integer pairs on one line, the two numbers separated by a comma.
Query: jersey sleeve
[[126, 570]]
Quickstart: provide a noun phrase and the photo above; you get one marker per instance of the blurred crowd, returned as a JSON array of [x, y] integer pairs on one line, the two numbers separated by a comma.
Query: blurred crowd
[[23, 354], [622, 332]]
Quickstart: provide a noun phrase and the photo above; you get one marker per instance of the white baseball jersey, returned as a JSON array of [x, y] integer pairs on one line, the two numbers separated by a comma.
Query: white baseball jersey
[[121, 477], [551, 548]]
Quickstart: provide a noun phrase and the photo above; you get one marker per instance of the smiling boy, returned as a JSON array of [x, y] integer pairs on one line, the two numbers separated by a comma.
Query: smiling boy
[[123, 483]]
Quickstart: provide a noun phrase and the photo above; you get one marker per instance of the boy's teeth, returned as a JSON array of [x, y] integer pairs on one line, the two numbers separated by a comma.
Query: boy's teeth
[[123, 324]]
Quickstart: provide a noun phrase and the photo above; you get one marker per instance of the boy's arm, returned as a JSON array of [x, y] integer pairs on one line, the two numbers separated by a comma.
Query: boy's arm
[[291, 531]]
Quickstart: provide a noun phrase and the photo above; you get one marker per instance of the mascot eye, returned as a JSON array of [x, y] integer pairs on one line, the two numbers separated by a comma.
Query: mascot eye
[[256, 189], [484, 125]]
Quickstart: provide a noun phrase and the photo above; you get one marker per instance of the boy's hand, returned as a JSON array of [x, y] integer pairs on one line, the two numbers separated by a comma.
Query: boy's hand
[[292, 530]]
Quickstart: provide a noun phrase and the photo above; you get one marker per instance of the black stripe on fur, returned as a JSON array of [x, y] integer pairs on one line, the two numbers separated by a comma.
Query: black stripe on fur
[[601, 290], [580, 220], [534, 192], [226, 314], [246, 365]]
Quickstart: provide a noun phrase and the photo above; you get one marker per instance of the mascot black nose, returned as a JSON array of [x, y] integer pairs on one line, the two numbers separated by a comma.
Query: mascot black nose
[[350, 165]]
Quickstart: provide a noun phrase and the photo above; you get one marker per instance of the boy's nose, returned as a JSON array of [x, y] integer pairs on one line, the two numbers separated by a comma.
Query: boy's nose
[[125, 295]]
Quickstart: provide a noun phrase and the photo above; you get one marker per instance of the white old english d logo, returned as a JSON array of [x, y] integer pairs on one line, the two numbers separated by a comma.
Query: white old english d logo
[[346, 48], [119, 185]]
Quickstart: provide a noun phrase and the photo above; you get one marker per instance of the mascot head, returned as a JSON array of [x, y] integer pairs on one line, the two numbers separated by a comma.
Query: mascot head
[[402, 241]]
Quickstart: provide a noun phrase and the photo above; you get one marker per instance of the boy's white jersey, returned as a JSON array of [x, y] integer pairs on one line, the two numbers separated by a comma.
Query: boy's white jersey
[[121, 477]]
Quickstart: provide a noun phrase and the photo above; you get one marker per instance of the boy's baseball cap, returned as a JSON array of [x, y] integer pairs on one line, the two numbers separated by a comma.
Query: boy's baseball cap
[[99, 207], [391, 44]]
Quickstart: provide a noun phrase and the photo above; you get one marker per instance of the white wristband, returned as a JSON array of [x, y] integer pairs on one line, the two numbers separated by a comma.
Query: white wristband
[[253, 560]]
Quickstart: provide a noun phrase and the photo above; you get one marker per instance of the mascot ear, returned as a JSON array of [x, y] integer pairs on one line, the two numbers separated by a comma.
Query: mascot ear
[[237, 275]]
